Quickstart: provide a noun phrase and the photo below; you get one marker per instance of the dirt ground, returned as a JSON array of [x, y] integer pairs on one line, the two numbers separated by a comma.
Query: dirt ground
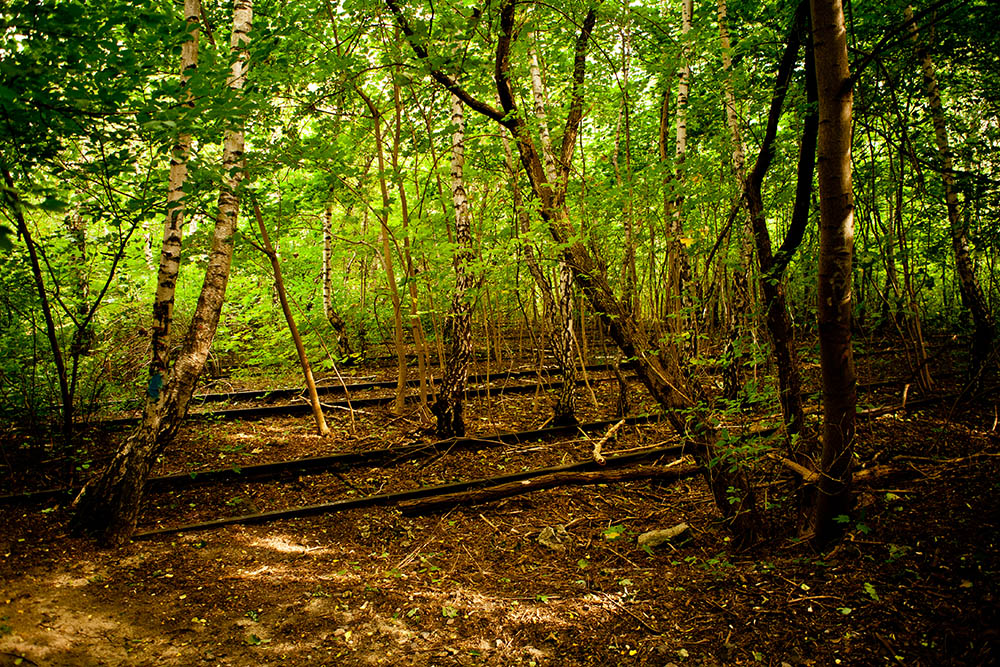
[[914, 582]]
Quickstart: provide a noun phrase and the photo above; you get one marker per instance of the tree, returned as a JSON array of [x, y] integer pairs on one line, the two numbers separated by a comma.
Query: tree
[[109, 503], [448, 406], [972, 293], [836, 246]]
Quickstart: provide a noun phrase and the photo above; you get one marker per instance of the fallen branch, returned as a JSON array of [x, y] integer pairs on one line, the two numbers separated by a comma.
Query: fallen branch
[[547, 482], [862, 476], [871, 413], [808, 476], [598, 458], [383, 456]]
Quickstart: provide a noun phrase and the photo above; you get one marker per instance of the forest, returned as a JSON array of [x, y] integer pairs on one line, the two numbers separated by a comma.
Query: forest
[[355, 332]]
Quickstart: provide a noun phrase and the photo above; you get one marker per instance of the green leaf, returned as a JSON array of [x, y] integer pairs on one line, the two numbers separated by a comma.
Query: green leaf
[[613, 532], [870, 591]]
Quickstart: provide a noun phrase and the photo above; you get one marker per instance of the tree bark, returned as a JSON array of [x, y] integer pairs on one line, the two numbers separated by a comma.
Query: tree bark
[[776, 316], [834, 301], [387, 264], [448, 408], [740, 319], [109, 503], [560, 312], [678, 263], [173, 228], [416, 325]]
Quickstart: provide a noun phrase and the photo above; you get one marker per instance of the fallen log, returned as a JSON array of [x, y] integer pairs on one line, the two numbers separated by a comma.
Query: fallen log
[[549, 481], [317, 464]]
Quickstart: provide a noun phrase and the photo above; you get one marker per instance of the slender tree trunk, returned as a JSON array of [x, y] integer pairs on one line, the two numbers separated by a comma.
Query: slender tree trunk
[[300, 349], [449, 405], [678, 261], [14, 203], [387, 264], [834, 301], [173, 228], [739, 322], [416, 326], [965, 270], [329, 312], [772, 267], [560, 312], [911, 317], [109, 503]]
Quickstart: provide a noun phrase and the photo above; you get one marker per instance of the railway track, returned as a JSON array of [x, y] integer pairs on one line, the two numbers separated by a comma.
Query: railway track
[[318, 464]]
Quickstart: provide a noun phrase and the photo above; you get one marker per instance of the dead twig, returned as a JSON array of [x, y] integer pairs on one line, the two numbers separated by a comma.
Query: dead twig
[[598, 458]]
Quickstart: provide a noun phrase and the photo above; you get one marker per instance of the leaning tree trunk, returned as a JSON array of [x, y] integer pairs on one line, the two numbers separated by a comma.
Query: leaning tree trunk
[[109, 504], [972, 293], [836, 247], [448, 406], [293, 329], [173, 228]]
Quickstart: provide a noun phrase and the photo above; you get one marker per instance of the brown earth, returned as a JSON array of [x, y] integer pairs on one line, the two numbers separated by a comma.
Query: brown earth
[[914, 582]]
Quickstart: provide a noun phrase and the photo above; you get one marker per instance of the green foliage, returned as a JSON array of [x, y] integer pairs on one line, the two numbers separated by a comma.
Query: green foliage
[[93, 105]]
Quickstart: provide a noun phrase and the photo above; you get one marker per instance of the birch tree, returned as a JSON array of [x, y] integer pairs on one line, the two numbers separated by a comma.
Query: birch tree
[[109, 503]]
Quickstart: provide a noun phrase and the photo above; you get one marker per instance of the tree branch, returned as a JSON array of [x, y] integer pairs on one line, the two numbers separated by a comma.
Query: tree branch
[[576, 100], [445, 80]]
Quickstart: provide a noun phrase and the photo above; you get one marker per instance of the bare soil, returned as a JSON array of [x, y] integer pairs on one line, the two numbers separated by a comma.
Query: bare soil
[[914, 582]]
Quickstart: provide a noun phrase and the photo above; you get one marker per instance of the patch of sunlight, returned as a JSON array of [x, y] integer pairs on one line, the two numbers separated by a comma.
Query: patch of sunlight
[[284, 545]]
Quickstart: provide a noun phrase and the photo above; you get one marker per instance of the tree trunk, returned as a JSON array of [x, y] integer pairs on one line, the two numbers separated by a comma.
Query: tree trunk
[[678, 263], [836, 246], [14, 203], [776, 316], [972, 293], [387, 264], [448, 406], [416, 325], [329, 312], [560, 310], [740, 321], [173, 228], [109, 503], [279, 286]]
